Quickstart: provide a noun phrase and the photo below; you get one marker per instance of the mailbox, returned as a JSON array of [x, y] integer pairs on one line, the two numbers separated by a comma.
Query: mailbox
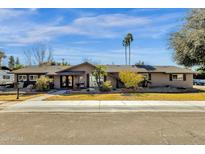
[[19, 85]]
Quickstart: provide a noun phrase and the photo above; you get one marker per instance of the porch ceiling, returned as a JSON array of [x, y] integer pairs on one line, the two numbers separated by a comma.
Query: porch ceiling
[[71, 73]]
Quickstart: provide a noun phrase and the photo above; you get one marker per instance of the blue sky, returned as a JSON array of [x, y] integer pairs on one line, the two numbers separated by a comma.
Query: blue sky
[[95, 34]]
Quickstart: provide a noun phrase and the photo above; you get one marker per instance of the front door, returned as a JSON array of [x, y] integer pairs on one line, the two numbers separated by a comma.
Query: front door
[[66, 81]]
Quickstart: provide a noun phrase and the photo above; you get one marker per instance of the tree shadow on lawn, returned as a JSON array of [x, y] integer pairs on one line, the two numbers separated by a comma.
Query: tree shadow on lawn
[[133, 94], [67, 95]]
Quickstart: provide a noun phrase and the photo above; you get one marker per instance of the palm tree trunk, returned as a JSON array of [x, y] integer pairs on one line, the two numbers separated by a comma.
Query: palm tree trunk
[[125, 55], [129, 54]]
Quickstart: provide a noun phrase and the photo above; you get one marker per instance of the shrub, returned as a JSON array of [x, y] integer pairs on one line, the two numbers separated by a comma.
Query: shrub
[[130, 79], [99, 73], [43, 83], [106, 86]]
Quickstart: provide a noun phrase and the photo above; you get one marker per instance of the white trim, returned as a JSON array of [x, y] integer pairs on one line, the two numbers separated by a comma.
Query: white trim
[[35, 77], [21, 78], [178, 78]]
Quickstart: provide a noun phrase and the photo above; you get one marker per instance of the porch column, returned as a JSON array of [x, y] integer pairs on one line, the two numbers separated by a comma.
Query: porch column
[[57, 81], [88, 80]]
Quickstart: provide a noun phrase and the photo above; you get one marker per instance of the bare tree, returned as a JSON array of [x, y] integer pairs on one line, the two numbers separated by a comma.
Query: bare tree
[[39, 54], [28, 57]]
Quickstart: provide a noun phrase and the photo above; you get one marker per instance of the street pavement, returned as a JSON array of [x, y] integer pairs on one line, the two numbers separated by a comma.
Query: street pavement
[[103, 128], [102, 122]]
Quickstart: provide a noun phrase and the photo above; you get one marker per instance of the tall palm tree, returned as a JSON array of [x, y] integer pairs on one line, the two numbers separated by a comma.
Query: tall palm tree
[[124, 43], [129, 38], [2, 55]]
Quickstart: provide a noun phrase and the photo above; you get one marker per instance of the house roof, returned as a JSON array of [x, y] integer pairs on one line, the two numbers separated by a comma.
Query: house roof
[[49, 70], [148, 68], [53, 70], [74, 66]]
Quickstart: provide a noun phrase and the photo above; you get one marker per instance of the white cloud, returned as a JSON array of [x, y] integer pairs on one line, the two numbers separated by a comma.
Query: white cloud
[[98, 27], [112, 20], [9, 13], [22, 30]]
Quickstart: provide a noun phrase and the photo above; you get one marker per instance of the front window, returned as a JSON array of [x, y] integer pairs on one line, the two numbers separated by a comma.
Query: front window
[[33, 77], [81, 79], [177, 77], [145, 76], [6, 77], [22, 77], [93, 82]]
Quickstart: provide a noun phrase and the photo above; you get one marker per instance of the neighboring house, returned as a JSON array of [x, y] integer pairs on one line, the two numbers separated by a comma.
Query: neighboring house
[[6, 77], [71, 77]]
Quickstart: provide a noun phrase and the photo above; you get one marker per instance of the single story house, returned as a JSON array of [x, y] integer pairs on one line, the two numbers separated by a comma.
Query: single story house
[[71, 77]]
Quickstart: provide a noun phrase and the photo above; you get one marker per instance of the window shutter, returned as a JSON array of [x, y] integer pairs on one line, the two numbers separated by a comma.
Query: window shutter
[[88, 80], [170, 77], [105, 78], [150, 76], [117, 83], [184, 77]]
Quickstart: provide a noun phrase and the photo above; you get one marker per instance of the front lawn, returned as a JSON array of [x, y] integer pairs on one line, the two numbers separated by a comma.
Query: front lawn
[[13, 97], [200, 96]]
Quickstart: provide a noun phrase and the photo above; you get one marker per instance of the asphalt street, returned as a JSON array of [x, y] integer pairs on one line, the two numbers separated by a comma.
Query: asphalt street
[[103, 128]]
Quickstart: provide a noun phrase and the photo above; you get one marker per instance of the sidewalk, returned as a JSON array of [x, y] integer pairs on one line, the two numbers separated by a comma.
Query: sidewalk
[[40, 98], [108, 106]]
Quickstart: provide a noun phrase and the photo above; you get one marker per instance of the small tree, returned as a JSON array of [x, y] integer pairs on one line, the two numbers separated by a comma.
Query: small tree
[[43, 83], [99, 73], [11, 62], [17, 65], [2, 56], [130, 79], [17, 61]]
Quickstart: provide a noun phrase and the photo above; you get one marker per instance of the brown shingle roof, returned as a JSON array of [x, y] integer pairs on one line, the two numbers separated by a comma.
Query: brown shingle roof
[[49, 70], [148, 68], [53, 70]]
